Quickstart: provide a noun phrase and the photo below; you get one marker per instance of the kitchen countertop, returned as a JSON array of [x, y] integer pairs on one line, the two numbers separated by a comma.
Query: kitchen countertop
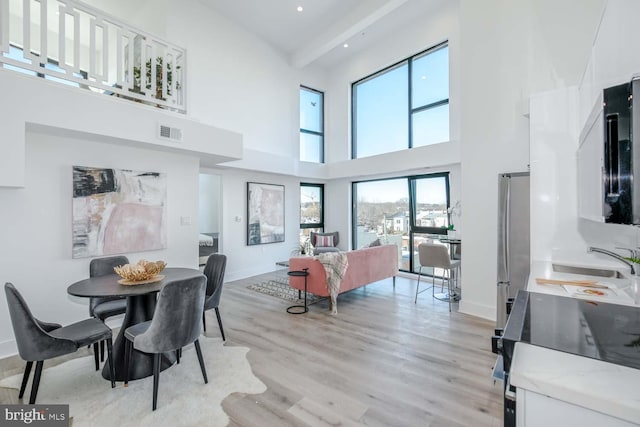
[[599, 386], [593, 384], [544, 269]]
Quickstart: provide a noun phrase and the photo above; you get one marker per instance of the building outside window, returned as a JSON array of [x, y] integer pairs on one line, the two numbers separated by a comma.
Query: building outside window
[[403, 106], [311, 125]]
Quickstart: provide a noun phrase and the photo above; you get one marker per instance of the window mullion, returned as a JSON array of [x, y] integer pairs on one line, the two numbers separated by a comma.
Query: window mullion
[[429, 106], [311, 132], [410, 102]]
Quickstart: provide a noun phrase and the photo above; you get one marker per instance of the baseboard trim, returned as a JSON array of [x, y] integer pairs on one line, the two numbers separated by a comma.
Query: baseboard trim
[[243, 274], [8, 349], [477, 310]]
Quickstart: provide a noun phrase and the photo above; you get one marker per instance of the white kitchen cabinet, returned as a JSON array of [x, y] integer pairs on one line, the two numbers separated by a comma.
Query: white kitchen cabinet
[[555, 388], [591, 165], [536, 410]]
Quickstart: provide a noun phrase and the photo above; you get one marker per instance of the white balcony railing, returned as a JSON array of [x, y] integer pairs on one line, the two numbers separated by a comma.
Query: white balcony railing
[[70, 42]]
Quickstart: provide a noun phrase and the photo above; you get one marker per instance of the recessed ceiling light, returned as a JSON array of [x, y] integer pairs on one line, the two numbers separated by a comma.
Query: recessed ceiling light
[[300, 9], [424, 77], [345, 45]]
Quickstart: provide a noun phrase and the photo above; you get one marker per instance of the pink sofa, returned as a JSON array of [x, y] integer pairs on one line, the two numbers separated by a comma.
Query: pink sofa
[[366, 266]]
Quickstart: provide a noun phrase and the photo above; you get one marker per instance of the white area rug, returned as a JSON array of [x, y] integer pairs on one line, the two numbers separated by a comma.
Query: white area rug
[[183, 397]]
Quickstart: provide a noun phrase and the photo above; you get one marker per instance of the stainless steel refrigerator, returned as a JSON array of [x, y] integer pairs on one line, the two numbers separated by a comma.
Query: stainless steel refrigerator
[[513, 239]]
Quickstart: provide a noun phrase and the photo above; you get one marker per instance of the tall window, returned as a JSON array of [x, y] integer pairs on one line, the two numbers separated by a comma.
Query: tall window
[[403, 211], [311, 209], [403, 106], [311, 125]]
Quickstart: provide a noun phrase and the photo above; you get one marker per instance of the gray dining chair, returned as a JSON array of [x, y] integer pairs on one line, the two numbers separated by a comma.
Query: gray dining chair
[[38, 341], [214, 272], [104, 307], [175, 323], [437, 256]]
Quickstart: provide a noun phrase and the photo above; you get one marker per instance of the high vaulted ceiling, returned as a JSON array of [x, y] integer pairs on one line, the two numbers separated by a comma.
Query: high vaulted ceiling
[[318, 33]]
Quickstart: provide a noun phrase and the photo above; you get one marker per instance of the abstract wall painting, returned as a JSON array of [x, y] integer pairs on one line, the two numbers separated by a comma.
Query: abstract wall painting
[[118, 211], [265, 213]]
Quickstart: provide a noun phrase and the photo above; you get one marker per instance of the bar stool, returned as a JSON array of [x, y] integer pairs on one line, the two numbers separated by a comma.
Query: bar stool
[[437, 256]]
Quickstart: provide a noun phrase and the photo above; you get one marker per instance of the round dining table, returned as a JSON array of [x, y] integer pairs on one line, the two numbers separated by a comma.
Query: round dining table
[[141, 303], [454, 253], [454, 245]]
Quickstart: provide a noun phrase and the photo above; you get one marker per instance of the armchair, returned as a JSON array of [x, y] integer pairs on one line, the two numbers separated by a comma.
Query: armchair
[[324, 242]]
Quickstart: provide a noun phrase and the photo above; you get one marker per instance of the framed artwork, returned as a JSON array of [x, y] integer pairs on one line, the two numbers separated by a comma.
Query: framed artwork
[[118, 211], [265, 213]]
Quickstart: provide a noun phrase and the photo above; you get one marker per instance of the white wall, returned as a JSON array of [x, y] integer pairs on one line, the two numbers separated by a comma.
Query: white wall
[[557, 232], [35, 249], [68, 110], [210, 206], [244, 261], [507, 53], [237, 81], [614, 56], [147, 15]]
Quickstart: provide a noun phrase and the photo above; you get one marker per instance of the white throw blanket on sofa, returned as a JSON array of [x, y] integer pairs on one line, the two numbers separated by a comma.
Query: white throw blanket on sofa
[[335, 265]]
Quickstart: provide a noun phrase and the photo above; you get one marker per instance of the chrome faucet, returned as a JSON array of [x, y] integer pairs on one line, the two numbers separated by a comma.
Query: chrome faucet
[[613, 255]]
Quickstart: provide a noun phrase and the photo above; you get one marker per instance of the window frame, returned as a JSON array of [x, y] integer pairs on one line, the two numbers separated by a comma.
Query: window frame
[[313, 224], [412, 203], [312, 132], [413, 229], [410, 109]]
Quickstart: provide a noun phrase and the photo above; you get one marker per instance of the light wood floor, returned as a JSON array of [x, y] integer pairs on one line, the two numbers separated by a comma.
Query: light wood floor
[[382, 361]]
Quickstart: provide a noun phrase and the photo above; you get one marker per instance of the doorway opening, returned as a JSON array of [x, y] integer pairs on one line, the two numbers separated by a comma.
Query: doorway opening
[[209, 216]]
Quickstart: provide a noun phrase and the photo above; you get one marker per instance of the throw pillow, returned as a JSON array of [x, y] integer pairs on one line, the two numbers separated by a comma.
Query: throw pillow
[[374, 243], [324, 241]]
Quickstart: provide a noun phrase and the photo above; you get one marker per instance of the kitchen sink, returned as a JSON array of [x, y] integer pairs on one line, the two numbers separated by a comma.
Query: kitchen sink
[[586, 271]]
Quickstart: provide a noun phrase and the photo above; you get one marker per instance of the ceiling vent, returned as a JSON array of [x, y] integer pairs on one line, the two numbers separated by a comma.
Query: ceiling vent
[[168, 132]]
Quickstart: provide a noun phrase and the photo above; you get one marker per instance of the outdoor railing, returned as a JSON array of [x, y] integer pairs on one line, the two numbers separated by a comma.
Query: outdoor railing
[[70, 42]]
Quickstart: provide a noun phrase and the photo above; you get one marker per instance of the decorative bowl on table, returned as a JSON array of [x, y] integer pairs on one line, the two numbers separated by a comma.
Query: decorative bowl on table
[[140, 273]]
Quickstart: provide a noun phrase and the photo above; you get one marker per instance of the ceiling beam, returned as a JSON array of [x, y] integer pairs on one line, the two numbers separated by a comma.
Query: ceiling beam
[[331, 39]]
